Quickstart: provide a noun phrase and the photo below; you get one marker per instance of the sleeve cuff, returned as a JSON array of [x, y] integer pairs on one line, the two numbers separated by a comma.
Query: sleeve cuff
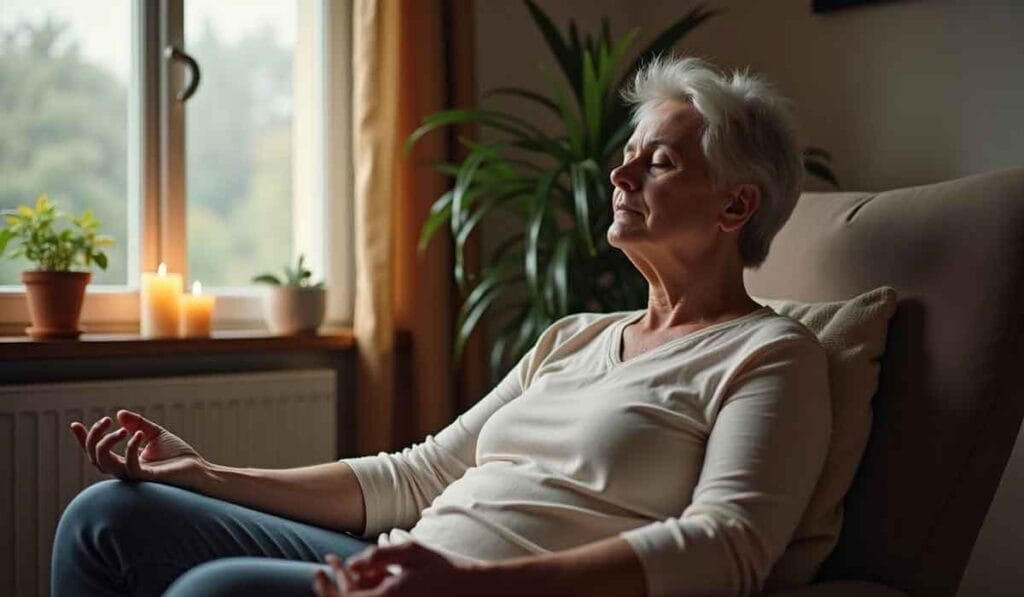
[[370, 471], [672, 558], [645, 542]]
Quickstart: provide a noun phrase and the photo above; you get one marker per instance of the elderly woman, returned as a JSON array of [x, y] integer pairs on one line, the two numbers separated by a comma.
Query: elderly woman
[[670, 450]]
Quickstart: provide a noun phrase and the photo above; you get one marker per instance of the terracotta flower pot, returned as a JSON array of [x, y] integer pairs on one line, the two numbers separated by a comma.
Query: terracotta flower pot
[[55, 302]]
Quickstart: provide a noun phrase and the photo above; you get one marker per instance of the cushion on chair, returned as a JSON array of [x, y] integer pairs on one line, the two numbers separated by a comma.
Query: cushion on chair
[[948, 405], [853, 333]]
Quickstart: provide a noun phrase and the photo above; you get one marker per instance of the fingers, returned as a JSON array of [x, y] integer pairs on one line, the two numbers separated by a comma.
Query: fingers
[[392, 585], [322, 585], [106, 460], [80, 433], [135, 422], [98, 447], [131, 456], [365, 580], [381, 557], [345, 580], [94, 435]]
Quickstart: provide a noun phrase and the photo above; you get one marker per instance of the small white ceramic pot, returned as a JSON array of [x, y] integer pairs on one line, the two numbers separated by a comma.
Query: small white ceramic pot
[[292, 311]]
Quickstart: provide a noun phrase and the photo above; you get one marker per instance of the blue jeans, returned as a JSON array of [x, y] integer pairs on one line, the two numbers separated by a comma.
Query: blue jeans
[[140, 538]]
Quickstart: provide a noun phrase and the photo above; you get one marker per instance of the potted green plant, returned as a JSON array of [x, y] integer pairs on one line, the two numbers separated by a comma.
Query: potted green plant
[[63, 247], [550, 188], [293, 305]]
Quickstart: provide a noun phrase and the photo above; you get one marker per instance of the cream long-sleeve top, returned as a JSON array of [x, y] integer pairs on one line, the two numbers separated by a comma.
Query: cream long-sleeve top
[[701, 453]]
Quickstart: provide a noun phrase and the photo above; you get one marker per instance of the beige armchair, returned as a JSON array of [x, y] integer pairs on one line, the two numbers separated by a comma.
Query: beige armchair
[[948, 406]]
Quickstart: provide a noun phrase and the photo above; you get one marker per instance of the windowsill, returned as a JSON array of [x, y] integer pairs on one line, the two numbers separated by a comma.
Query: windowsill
[[133, 345]]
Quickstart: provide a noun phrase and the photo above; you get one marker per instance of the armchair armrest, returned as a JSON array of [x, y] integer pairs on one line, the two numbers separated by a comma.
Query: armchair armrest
[[841, 588]]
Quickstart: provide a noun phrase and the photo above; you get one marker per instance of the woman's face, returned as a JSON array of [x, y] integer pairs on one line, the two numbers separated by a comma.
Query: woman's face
[[664, 197]]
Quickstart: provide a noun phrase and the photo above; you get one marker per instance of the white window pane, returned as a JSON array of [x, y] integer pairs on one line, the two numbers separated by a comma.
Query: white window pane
[[239, 139], [64, 84]]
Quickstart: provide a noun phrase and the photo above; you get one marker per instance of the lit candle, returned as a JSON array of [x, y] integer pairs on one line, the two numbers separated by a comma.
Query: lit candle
[[158, 304], [196, 313]]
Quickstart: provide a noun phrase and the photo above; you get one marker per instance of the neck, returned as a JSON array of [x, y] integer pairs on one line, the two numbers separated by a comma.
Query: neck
[[700, 292]]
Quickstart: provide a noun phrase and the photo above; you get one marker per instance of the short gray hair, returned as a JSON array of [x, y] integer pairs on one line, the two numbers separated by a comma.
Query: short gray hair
[[748, 137]]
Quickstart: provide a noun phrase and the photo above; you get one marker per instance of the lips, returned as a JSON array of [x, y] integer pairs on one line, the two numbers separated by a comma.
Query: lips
[[620, 203]]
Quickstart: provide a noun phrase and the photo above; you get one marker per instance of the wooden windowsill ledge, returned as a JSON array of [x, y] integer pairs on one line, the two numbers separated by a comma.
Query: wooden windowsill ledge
[[124, 345]]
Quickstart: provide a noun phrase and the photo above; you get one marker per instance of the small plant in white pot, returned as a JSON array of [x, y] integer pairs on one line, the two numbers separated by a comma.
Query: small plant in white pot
[[293, 305]]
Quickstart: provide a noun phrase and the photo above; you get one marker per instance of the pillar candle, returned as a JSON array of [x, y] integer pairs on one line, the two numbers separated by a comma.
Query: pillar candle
[[159, 304], [196, 313]]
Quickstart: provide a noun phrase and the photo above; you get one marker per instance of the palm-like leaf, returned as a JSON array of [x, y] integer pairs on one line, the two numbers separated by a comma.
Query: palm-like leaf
[[568, 57], [525, 94]]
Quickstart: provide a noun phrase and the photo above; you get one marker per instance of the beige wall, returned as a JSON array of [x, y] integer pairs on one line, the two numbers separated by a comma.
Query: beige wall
[[902, 93]]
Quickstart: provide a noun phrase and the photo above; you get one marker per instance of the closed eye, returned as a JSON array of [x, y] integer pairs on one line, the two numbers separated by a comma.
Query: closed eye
[[660, 160]]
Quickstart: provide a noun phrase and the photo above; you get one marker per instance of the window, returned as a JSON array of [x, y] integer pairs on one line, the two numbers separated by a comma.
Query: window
[[239, 139], [65, 87], [232, 182]]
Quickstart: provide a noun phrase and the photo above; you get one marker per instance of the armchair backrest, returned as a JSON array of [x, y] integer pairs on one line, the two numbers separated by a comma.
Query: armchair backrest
[[948, 406]]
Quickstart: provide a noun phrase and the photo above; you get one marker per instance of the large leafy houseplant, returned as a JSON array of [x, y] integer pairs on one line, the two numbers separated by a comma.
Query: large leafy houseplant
[[556, 185], [63, 247]]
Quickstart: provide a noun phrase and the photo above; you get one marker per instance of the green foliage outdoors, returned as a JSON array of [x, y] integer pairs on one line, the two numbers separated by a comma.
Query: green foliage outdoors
[[555, 183], [63, 131], [298, 277], [238, 156], [53, 240]]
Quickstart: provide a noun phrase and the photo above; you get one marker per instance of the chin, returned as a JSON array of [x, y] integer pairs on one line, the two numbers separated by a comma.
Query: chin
[[612, 239], [618, 236]]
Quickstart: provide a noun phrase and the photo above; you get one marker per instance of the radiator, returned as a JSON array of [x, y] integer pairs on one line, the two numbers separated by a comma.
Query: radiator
[[270, 420]]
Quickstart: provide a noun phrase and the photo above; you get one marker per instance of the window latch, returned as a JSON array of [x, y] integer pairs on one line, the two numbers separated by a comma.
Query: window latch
[[172, 53]]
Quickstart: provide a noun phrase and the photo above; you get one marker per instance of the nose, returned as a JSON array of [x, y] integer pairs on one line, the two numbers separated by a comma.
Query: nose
[[625, 178]]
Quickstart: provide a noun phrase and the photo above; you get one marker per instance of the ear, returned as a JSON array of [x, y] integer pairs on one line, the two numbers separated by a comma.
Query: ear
[[744, 199]]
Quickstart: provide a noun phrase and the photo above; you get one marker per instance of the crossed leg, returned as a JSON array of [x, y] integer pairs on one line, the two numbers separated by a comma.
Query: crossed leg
[[138, 538]]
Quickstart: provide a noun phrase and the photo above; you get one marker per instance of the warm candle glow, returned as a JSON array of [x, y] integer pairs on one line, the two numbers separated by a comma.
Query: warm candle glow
[[196, 313], [159, 304]]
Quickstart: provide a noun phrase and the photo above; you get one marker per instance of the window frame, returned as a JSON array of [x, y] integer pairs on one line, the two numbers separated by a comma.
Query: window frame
[[116, 307], [157, 224]]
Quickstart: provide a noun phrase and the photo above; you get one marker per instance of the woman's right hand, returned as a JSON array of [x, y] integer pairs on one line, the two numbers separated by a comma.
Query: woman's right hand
[[152, 453]]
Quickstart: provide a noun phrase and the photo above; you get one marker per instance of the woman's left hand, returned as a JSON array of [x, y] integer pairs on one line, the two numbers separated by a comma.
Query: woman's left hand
[[423, 572]]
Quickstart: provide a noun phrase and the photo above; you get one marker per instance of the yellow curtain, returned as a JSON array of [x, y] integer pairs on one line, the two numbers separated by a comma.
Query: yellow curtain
[[403, 69], [374, 62]]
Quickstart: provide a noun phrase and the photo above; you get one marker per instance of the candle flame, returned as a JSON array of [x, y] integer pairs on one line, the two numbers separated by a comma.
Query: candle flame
[[197, 288], [162, 270]]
